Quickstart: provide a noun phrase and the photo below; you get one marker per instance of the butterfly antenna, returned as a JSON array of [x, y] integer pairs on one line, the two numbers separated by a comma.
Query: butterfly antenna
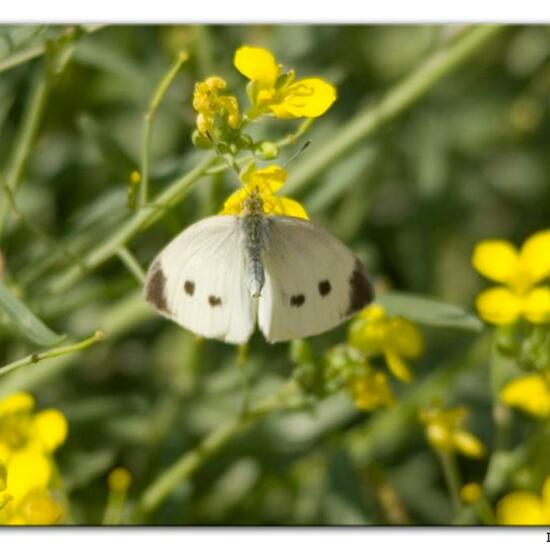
[[297, 153], [230, 161]]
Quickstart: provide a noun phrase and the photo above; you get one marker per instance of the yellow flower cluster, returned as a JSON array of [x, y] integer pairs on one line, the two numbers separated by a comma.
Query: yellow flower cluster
[[444, 431], [525, 507], [519, 273], [373, 334], [266, 182], [210, 102], [27, 469], [371, 390], [271, 93]]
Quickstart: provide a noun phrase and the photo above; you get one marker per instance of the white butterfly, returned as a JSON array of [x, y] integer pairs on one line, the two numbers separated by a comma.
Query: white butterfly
[[221, 273]]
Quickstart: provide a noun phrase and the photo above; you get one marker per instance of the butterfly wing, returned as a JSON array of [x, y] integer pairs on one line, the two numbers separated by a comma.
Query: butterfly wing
[[198, 280], [313, 281]]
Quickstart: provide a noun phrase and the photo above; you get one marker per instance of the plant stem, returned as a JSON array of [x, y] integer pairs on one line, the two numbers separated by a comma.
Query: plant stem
[[130, 261], [158, 95], [452, 478], [33, 52], [54, 352], [190, 461], [115, 320], [24, 141], [401, 97], [141, 219]]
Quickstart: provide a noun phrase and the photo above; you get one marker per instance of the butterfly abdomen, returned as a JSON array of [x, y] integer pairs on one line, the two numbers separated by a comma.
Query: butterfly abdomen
[[253, 226]]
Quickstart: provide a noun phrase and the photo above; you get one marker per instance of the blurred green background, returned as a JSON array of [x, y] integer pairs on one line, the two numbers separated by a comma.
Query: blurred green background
[[468, 160]]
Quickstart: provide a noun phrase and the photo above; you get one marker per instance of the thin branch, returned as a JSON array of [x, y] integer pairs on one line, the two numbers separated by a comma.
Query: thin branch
[[132, 264], [190, 461], [54, 352], [33, 52], [141, 219], [158, 95]]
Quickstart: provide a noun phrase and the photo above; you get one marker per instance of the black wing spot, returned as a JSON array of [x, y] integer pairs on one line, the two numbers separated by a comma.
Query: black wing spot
[[154, 292], [189, 287], [214, 301], [325, 287], [361, 292], [297, 300]]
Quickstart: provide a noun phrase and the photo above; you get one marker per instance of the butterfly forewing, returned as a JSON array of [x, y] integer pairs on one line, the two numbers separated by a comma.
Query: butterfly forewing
[[313, 281], [199, 281]]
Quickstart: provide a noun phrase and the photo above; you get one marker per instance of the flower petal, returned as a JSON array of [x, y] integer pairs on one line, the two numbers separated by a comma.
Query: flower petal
[[520, 508], [28, 470], [234, 203], [529, 393], [39, 508], [309, 97], [19, 402], [397, 366], [267, 180], [404, 337], [51, 427], [497, 260], [536, 305], [281, 206], [499, 306], [257, 64], [535, 255], [468, 444]]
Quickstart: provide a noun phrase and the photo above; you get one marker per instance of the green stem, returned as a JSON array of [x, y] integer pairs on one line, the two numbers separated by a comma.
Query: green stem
[[452, 478], [25, 140], [190, 461], [400, 98], [158, 95], [141, 219], [496, 471], [33, 52], [115, 320], [51, 353], [130, 261]]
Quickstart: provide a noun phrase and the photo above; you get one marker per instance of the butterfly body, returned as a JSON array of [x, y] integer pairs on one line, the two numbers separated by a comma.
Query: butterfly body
[[220, 275]]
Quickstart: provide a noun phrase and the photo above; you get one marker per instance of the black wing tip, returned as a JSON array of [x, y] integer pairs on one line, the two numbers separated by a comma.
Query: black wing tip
[[361, 291], [154, 288]]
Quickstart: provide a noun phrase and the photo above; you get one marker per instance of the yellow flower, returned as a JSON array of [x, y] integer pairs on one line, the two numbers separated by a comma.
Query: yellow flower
[[393, 337], [530, 393], [27, 442], [271, 91], [266, 182], [371, 391], [445, 433], [525, 507], [519, 272], [211, 103]]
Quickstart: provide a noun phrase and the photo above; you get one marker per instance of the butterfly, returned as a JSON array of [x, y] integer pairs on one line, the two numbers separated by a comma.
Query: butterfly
[[222, 274]]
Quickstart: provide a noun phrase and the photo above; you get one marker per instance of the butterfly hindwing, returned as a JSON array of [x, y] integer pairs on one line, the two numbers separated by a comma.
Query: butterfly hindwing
[[313, 281], [199, 281]]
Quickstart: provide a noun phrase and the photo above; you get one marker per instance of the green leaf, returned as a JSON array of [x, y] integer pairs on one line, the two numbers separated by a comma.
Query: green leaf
[[428, 311], [24, 319]]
